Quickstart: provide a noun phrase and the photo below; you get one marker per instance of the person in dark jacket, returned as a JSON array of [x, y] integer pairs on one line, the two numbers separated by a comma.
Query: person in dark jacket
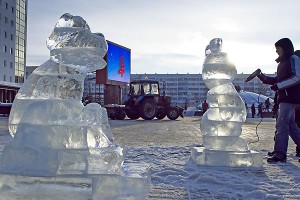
[[253, 110], [260, 109], [267, 104], [204, 106], [287, 85], [297, 112]]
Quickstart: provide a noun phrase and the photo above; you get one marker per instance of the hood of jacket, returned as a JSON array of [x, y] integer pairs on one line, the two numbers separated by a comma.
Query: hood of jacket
[[287, 46]]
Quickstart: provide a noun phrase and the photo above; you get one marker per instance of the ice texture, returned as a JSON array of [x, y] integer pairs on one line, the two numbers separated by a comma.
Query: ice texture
[[221, 124], [217, 69], [132, 183], [54, 133], [208, 157], [62, 149]]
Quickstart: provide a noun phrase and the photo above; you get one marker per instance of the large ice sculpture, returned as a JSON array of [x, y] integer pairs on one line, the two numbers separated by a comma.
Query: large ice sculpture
[[54, 134], [221, 125]]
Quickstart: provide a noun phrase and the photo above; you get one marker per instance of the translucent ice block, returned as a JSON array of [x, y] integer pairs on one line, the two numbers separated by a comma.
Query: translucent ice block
[[134, 184], [250, 158], [217, 73], [225, 143], [14, 187], [216, 127]]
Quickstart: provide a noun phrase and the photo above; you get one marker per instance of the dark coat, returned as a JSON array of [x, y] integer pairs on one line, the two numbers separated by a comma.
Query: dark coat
[[253, 108], [288, 74]]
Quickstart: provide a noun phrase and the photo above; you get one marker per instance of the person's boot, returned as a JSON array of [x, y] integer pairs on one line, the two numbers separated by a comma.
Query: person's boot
[[298, 152], [275, 159], [271, 153]]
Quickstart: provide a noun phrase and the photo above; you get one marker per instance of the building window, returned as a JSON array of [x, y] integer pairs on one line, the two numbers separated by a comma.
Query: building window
[[11, 65], [6, 20], [4, 48], [10, 79], [4, 78], [12, 9], [11, 51], [4, 63], [6, 6], [5, 34], [12, 23], [11, 37]]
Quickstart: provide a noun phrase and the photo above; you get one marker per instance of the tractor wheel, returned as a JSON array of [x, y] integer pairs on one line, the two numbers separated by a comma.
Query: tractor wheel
[[161, 114], [120, 115], [112, 115], [148, 109], [173, 113], [132, 115]]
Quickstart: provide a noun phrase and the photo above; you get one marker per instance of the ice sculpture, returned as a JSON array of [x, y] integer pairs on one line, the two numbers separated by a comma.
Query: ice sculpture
[[221, 125], [55, 135]]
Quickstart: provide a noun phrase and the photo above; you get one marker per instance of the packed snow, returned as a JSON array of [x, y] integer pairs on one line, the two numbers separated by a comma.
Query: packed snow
[[176, 176]]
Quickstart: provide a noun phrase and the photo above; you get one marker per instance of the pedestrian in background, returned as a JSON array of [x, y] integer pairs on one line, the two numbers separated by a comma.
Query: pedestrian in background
[[253, 110], [260, 109], [267, 104], [204, 106]]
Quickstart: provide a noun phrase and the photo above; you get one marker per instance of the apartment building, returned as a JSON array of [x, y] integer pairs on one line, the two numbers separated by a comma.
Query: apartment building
[[13, 28], [185, 89], [190, 88]]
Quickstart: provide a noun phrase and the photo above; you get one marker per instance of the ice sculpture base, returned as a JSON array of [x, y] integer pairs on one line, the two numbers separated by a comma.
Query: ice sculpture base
[[51, 162], [132, 183], [208, 157]]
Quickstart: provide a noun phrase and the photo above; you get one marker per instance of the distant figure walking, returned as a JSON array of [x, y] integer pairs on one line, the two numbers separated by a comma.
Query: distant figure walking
[[204, 106], [253, 110], [260, 109], [267, 104]]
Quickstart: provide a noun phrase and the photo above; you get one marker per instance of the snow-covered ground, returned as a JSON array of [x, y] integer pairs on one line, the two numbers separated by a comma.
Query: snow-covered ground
[[166, 146], [176, 176]]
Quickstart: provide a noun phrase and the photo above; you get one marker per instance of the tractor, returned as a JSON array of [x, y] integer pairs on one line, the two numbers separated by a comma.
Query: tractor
[[145, 100]]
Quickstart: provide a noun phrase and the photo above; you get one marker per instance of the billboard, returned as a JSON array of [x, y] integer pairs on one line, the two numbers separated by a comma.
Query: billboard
[[118, 67], [118, 63]]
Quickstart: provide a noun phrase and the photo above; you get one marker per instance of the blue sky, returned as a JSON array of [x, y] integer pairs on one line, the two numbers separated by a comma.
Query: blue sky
[[169, 36]]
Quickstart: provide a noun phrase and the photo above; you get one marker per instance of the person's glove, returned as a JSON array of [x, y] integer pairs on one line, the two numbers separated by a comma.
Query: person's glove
[[274, 87], [261, 77]]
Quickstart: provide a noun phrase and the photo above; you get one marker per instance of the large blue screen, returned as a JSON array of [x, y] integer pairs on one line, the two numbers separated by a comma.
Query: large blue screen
[[118, 63]]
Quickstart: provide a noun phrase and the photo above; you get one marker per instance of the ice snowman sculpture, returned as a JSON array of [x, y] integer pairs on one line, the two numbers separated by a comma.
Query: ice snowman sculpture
[[221, 125]]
